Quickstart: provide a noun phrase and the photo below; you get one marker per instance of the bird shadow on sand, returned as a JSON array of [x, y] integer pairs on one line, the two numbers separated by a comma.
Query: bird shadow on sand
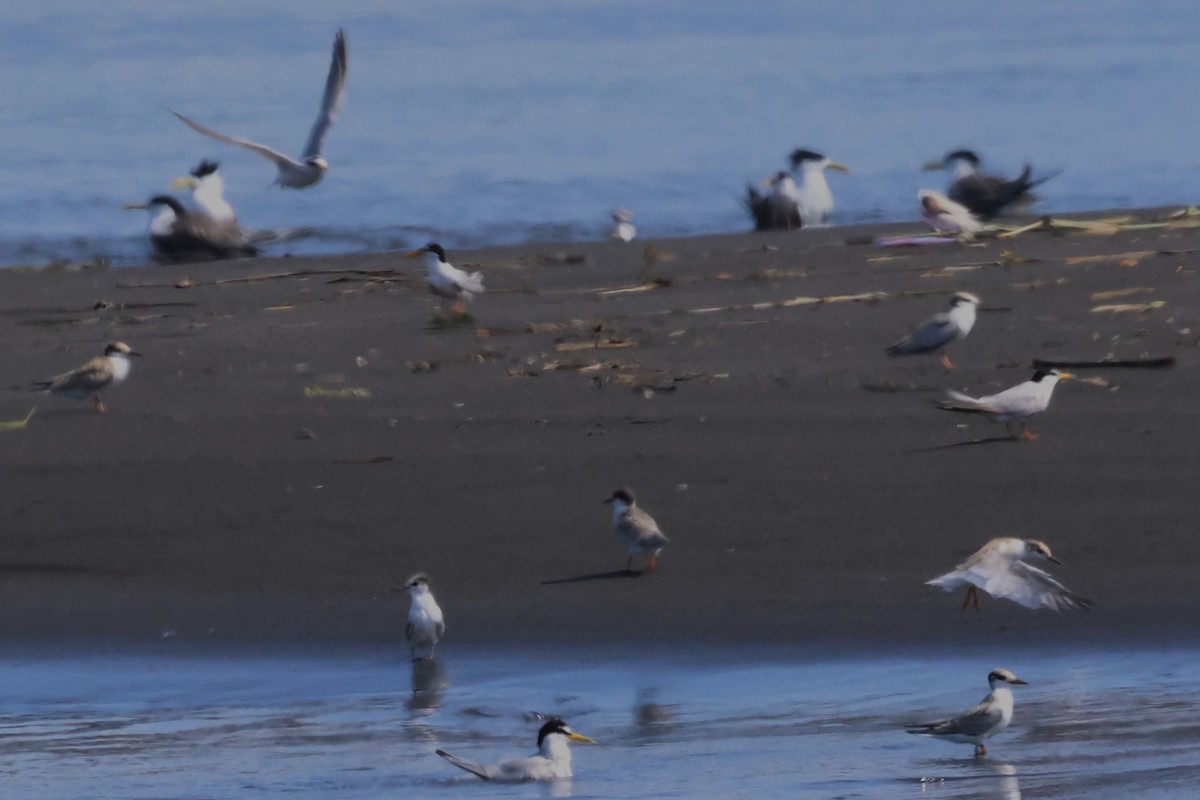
[[597, 576], [969, 443]]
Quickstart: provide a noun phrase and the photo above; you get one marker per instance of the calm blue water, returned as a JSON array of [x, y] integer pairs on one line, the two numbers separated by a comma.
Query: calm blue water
[[479, 123], [1095, 723]]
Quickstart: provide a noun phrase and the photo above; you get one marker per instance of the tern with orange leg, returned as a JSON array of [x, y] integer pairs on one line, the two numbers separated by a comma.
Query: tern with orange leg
[[980, 722], [636, 529], [1017, 403], [1003, 568]]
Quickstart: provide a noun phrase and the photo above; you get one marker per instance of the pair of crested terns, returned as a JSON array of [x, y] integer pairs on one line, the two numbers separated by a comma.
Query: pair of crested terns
[[788, 205], [110, 369]]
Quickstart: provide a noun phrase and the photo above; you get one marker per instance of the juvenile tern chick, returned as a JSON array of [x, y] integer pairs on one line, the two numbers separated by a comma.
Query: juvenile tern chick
[[816, 199], [552, 762], [948, 216], [986, 195], [312, 165], [109, 369], [622, 228], [941, 329], [425, 623], [1002, 568], [1016, 403], [975, 725], [636, 529], [448, 281]]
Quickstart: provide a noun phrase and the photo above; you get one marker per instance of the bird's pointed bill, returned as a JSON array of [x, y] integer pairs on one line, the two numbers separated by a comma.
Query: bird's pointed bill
[[579, 737]]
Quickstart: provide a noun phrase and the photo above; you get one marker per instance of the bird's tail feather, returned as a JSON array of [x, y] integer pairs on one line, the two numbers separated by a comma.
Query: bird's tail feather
[[470, 766], [474, 283], [957, 401]]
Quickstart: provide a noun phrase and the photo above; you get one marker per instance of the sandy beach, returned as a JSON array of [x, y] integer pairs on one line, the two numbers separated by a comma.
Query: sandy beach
[[299, 438]]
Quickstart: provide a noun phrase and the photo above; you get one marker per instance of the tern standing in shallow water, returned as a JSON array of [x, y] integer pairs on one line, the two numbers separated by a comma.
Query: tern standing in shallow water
[[425, 622], [1016, 403], [985, 195], [636, 529], [977, 724], [109, 369], [311, 167], [552, 761], [941, 329], [1002, 569], [446, 280]]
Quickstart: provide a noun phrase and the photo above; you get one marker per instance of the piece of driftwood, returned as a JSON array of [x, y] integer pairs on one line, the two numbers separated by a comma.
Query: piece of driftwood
[[1157, 362]]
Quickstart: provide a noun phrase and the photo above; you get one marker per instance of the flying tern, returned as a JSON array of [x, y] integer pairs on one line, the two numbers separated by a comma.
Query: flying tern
[[1003, 568], [311, 167]]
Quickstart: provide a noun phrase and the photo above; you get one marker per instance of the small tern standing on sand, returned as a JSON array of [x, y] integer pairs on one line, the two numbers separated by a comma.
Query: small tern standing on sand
[[109, 369], [636, 529], [552, 762], [425, 622], [622, 228], [941, 329], [947, 216], [1002, 569], [975, 725], [985, 195], [312, 165], [446, 280], [1016, 403]]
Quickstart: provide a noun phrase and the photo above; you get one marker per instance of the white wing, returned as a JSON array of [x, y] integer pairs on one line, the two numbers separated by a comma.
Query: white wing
[[331, 103], [266, 152], [1021, 400], [1032, 587]]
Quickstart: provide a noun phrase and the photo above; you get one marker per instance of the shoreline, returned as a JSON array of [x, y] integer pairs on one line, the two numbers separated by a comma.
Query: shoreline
[[822, 488]]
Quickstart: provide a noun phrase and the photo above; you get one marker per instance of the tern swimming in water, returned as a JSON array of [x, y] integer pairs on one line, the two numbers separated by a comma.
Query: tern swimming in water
[[986, 195], [311, 167], [552, 761], [981, 722]]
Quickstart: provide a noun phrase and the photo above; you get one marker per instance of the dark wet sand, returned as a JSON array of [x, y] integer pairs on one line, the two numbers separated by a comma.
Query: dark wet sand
[[807, 483]]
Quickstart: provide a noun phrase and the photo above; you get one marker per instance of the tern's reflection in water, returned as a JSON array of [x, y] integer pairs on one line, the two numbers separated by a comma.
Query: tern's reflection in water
[[429, 681]]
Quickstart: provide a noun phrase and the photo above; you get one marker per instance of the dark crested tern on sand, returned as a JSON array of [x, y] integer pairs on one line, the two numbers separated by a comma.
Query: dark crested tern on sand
[[779, 207], [312, 166], [986, 195], [1016, 403], [979, 723], [425, 625], [636, 529], [446, 280], [941, 329], [1002, 568], [552, 761], [188, 234], [622, 228], [109, 369], [947, 216]]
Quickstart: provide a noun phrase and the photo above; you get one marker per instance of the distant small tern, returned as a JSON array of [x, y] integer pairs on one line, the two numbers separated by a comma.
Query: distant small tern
[[426, 626], [941, 329], [312, 165], [552, 761], [636, 529], [622, 228], [100, 372], [1002, 568], [1016, 403], [981, 722]]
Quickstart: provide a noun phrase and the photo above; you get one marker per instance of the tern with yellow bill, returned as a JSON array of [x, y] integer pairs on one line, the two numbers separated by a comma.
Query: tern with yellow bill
[[1016, 403], [551, 762]]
